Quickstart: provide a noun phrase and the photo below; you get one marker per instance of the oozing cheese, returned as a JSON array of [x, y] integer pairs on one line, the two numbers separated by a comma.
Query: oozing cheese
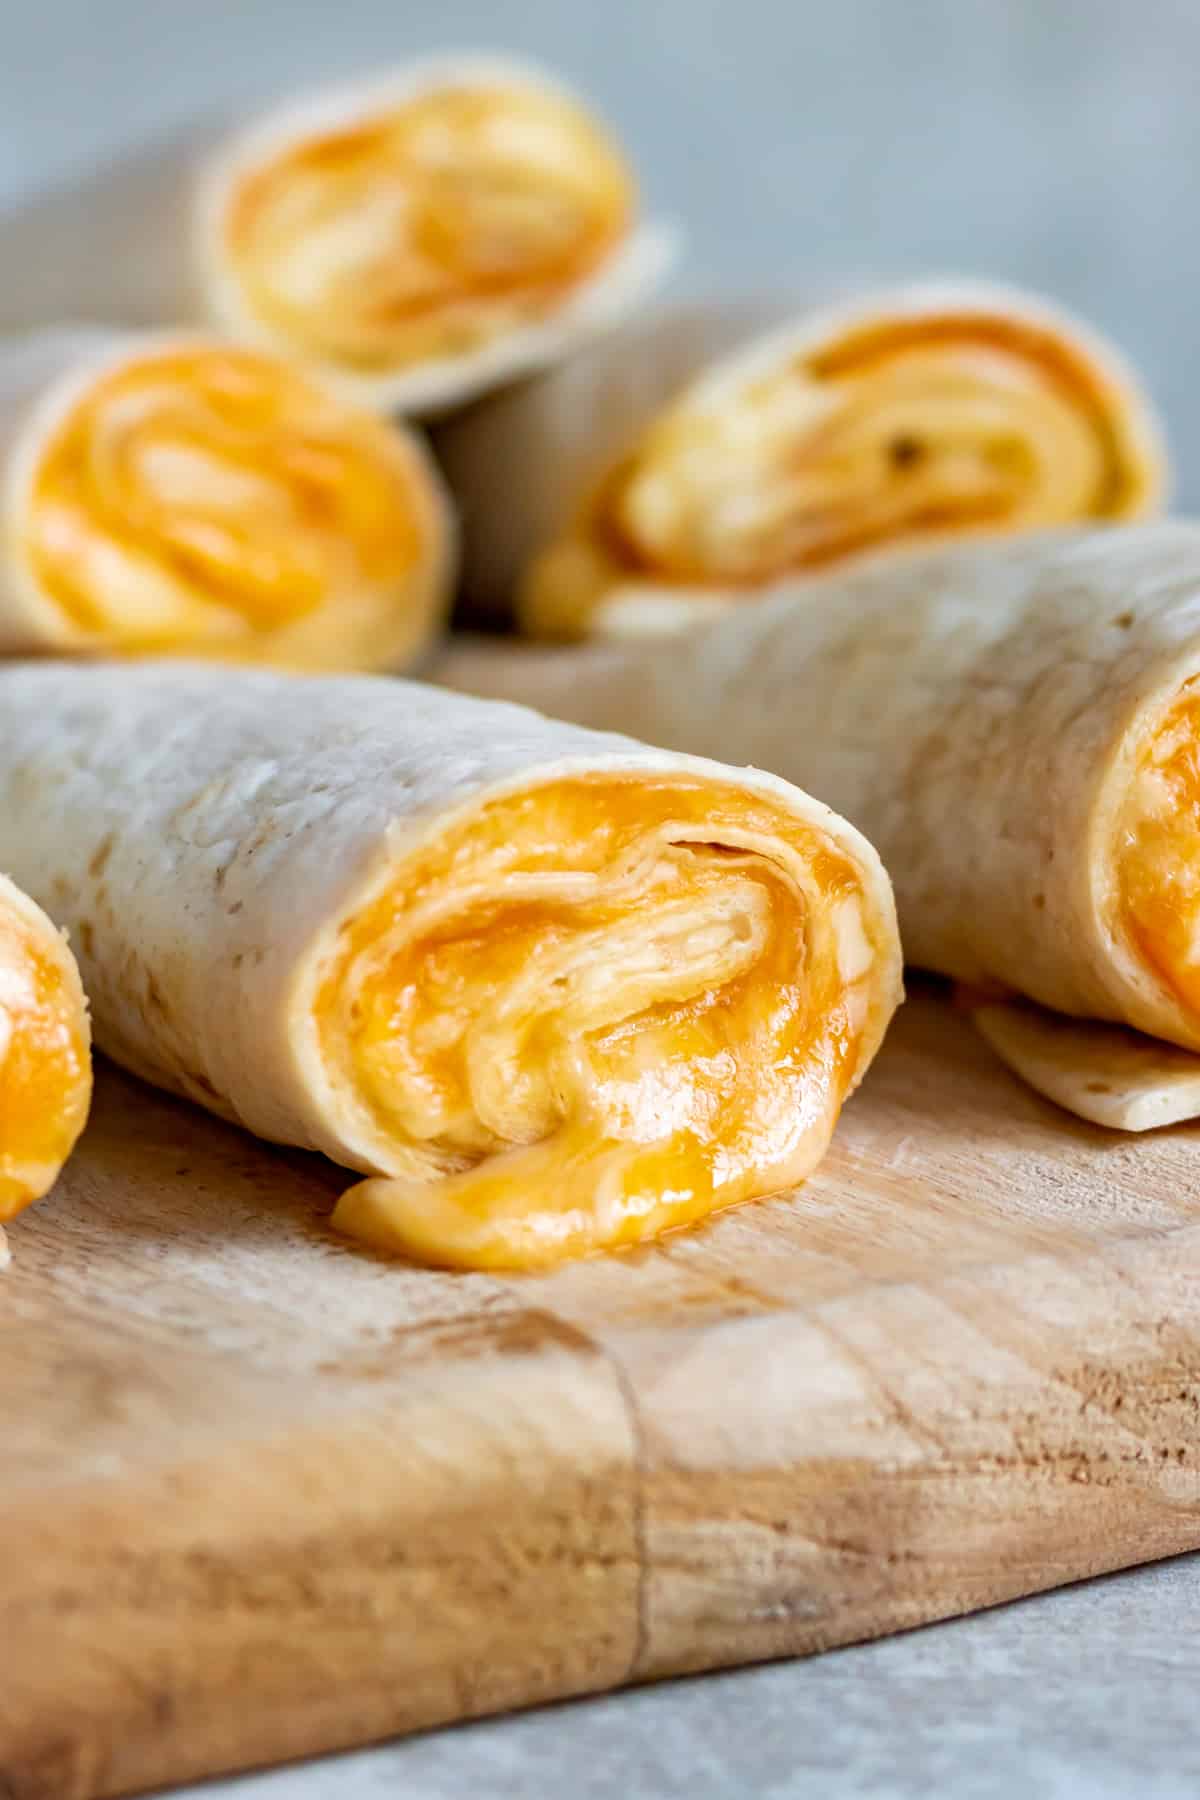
[[597, 1010], [427, 229], [45, 1064], [210, 499], [902, 432], [1158, 859]]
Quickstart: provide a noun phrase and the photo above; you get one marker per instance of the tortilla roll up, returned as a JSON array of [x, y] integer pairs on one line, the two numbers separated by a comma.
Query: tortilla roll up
[[45, 1053], [562, 991], [1017, 729], [420, 236], [183, 496], [685, 465]]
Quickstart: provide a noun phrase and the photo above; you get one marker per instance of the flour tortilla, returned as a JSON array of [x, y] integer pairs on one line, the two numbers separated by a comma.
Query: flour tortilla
[[207, 833], [137, 242], [518, 461], [978, 713], [1104, 1073], [521, 462]]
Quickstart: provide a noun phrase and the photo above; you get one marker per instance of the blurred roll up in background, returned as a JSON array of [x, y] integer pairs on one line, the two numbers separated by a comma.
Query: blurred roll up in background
[[1051, 142]]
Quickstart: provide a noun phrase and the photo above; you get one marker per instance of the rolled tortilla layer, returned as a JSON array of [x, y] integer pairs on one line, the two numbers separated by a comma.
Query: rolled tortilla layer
[[564, 991], [45, 1053], [682, 467], [420, 236], [1017, 730], [1105, 1073], [182, 496]]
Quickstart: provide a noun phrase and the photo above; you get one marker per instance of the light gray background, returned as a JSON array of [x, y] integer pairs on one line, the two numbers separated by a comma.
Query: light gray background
[[1056, 142]]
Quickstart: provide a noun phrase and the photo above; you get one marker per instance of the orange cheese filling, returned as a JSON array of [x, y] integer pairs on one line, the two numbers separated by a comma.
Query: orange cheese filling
[[430, 228], [1158, 861], [597, 1010], [45, 1064], [897, 433], [213, 500]]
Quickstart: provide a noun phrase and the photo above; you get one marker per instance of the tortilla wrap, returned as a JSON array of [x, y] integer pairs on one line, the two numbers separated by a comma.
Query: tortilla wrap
[[685, 465], [183, 496], [565, 991], [420, 236], [1015, 727]]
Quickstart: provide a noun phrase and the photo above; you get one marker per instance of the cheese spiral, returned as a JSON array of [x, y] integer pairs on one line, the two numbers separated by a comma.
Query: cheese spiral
[[427, 235], [689, 464], [45, 1054], [190, 497], [602, 1009]]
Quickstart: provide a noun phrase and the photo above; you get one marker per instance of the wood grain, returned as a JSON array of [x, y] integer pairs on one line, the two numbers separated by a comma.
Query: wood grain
[[264, 1495]]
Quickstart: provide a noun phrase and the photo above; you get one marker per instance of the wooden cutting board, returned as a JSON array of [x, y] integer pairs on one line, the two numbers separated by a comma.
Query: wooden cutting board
[[263, 1495]]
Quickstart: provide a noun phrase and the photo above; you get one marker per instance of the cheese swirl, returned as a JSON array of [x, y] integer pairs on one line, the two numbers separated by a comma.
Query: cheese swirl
[[195, 498], [45, 1056], [600, 1009], [790, 459], [425, 228]]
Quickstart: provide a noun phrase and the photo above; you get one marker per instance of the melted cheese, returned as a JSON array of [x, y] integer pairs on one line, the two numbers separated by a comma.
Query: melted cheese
[[1158, 859], [430, 228], [902, 433], [208, 499], [598, 1010], [45, 1064]]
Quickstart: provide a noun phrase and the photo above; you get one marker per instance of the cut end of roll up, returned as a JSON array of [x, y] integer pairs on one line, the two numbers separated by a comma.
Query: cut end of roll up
[[1138, 1068], [1157, 859], [188, 497], [422, 236], [600, 1009], [45, 1053], [905, 418]]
